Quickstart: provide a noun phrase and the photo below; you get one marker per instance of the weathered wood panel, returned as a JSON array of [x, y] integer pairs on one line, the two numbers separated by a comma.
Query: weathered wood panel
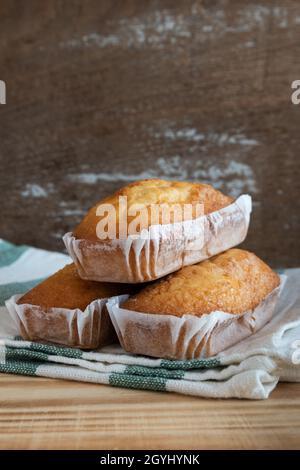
[[100, 93]]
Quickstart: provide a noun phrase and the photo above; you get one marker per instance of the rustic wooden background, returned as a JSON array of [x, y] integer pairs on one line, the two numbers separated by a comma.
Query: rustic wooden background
[[100, 93]]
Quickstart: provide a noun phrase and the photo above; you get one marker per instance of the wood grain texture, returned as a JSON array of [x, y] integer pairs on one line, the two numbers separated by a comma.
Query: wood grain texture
[[104, 92], [38, 413]]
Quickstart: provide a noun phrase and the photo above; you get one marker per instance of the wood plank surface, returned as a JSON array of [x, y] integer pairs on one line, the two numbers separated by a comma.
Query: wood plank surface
[[100, 93], [37, 413]]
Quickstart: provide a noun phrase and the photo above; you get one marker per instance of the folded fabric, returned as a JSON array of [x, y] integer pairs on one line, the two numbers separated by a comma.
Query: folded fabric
[[249, 369]]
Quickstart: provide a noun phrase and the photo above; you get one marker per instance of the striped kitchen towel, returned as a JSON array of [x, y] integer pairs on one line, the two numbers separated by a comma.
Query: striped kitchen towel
[[250, 369]]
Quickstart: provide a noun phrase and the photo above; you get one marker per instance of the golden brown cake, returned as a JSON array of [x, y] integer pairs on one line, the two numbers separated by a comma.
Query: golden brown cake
[[200, 310], [154, 227], [233, 282], [155, 191], [66, 289], [61, 310]]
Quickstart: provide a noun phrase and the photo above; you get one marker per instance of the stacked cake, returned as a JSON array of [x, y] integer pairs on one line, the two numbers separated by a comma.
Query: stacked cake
[[154, 265]]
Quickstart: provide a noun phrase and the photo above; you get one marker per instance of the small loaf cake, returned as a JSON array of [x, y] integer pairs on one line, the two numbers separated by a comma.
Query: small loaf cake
[[233, 282], [155, 191], [66, 289], [177, 235], [67, 310], [200, 310]]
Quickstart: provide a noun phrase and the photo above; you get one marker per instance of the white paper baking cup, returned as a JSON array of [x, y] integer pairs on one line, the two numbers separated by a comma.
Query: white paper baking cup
[[166, 249], [187, 337], [86, 329]]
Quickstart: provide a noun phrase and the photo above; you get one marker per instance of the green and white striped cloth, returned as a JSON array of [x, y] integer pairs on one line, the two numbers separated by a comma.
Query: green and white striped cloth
[[250, 369]]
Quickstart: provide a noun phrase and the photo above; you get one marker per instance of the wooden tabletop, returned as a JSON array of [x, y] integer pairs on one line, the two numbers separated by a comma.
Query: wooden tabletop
[[114, 91], [37, 413]]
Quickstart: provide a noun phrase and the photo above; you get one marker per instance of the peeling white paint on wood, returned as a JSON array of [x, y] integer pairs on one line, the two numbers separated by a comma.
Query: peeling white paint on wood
[[152, 29], [232, 177], [71, 213], [156, 29], [93, 178], [69, 209], [194, 135], [37, 191], [248, 44]]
